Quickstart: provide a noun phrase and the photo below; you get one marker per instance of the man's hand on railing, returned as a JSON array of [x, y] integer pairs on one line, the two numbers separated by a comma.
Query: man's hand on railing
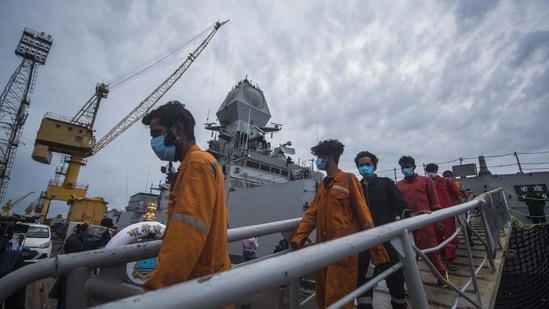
[[422, 212], [295, 245], [305, 243]]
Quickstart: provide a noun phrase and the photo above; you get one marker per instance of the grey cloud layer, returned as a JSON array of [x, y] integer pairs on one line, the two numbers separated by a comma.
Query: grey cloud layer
[[435, 80]]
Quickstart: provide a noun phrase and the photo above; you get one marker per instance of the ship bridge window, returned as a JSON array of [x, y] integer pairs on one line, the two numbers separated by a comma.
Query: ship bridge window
[[252, 164], [254, 97], [275, 170], [266, 168], [284, 173]]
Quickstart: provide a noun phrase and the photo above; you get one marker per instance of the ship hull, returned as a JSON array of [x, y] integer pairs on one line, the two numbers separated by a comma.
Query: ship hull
[[268, 204]]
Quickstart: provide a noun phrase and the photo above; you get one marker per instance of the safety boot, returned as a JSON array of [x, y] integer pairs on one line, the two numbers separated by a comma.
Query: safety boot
[[442, 283]]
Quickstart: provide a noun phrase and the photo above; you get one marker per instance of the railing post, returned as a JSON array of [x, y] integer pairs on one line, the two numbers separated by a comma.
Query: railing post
[[76, 295], [294, 293], [462, 221], [411, 273]]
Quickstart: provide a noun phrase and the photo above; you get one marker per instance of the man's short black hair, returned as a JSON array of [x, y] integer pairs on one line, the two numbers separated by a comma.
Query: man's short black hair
[[407, 160], [331, 147], [171, 113], [431, 168], [81, 227], [368, 154], [107, 222], [449, 173]]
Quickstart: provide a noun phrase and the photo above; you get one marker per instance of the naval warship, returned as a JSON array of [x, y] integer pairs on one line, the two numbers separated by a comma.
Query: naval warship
[[263, 182]]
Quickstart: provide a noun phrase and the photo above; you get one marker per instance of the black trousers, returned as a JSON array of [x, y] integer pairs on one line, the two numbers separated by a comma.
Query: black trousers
[[11, 261], [395, 282]]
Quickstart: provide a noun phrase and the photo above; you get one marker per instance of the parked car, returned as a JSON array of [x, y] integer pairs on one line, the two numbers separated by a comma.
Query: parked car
[[37, 245]]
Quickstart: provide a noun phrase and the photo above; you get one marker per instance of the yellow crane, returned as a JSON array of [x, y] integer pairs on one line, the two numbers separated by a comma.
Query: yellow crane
[[74, 138], [9, 204]]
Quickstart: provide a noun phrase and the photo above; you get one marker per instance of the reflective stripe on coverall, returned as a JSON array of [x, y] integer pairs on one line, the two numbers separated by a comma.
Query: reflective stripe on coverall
[[335, 212], [195, 242]]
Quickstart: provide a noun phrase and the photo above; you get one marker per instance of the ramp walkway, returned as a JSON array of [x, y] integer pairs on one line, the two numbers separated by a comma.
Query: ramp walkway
[[438, 297]]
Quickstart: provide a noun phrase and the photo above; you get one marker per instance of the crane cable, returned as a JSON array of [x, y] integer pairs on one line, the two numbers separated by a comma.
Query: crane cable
[[125, 77]]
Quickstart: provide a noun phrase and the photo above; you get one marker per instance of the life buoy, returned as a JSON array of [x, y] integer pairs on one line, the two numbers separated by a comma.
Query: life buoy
[[138, 272]]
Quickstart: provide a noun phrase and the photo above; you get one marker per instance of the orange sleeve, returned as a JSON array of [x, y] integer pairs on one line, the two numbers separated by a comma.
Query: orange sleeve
[[306, 226], [188, 226], [378, 253], [359, 203]]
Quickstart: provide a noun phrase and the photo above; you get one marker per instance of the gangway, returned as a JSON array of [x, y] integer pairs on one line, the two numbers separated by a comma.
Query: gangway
[[248, 279]]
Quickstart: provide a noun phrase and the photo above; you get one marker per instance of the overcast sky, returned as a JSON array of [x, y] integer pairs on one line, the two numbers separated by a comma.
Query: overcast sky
[[437, 80]]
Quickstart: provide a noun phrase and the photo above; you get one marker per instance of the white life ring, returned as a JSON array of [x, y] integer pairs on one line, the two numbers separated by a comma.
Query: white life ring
[[138, 272]]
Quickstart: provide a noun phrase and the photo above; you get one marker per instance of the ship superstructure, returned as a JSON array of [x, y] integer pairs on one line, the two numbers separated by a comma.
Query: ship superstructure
[[241, 141], [263, 182]]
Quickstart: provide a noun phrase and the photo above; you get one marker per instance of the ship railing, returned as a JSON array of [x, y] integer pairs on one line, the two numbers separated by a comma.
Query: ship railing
[[85, 289]]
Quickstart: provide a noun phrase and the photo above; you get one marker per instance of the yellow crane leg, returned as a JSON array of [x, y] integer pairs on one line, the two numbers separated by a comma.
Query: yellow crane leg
[[45, 210]]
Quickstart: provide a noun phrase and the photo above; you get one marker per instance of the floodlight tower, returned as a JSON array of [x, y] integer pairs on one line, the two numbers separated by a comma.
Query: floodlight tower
[[33, 49]]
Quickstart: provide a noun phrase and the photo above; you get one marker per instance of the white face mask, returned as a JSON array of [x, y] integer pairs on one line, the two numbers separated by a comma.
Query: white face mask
[[432, 174]]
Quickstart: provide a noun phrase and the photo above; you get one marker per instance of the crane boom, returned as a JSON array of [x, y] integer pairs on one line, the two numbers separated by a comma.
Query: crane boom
[[20, 199], [87, 114], [150, 100]]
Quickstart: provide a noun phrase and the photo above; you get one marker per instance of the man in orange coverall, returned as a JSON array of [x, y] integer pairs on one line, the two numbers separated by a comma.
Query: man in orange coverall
[[195, 241], [420, 194], [338, 209]]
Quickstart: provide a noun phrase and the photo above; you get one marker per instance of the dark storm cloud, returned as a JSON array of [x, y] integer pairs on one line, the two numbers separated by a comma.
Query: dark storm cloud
[[532, 46], [537, 87], [469, 13], [436, 80]]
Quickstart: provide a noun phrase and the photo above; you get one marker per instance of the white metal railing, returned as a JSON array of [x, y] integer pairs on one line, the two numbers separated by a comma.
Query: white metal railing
[[269, 272]]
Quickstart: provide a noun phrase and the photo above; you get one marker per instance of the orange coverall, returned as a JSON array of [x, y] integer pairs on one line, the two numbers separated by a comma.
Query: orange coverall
[[335, 212], [195, 242]]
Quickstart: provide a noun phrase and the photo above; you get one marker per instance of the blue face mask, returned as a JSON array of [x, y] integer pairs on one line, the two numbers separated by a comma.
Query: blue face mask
[[366, 171], [432, 174], [320, 164], [407, 172], [163, 152]]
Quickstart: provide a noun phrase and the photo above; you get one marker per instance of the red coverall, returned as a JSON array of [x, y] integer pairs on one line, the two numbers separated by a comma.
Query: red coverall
[[447, 191], [420, 195], [195, 242], [335, 212]]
